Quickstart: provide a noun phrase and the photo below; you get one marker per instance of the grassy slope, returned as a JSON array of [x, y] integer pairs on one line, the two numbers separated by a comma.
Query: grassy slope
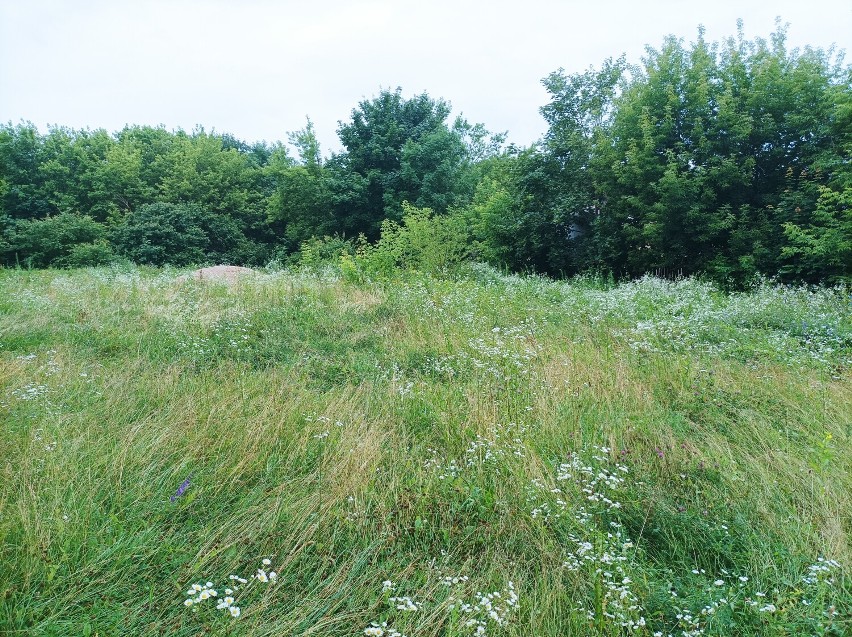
[[414, 431]]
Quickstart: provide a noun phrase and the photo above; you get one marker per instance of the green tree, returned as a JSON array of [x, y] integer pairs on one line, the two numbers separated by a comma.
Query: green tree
[[696, 165], [301, 199], [24, 194], [822, 249], [402, 150]]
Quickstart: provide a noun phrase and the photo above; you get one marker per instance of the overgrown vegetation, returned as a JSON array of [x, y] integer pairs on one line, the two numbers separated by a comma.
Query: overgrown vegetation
[[337, 451], [732, 160], [385, 433]]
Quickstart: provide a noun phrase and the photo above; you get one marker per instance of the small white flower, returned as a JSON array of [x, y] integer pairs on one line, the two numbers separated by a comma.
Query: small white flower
[[719, 582], [209, 584], [266, 562], [235, 611], [187, 603], [742, 578], [204, 595], [273, 575]]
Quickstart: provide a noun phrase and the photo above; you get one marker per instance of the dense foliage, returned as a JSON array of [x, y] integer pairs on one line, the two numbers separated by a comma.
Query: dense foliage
[[730, 159]]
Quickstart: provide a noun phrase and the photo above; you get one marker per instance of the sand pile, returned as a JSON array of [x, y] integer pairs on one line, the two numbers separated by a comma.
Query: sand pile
[[227, 273]]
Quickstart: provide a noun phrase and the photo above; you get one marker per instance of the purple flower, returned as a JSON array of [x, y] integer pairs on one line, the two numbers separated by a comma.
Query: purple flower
[[659, 452], [181, 489]]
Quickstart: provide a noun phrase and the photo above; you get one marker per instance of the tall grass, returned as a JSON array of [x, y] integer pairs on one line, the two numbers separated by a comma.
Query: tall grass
[[491, 454]]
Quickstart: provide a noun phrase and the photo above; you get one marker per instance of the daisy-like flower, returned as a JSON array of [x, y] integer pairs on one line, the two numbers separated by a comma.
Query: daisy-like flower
[[373, 631], [273, 575], [235, 611], [228, 601], [228, 591], [196, 587], [719, 582], [204, 594], [187, 603], [266, 562]]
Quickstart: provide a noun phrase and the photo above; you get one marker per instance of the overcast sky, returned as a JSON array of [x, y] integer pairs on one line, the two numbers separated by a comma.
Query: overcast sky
[[256, 68]]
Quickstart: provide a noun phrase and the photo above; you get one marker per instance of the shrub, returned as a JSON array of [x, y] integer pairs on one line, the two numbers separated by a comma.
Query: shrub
[[315, 252], [85, 255], [49, 242], [180, 234], [424, 242]]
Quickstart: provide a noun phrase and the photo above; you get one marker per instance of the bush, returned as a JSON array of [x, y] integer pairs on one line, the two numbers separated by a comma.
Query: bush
[[423, 242], [180, 234], [87, 255], [315, 252], [50, 242]]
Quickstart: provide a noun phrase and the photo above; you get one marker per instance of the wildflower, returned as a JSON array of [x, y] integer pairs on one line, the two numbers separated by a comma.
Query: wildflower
[[719, 582], [742, 578], [373, 631], [235, 611], [187, 603], [181, 490], [404, 603], [266, 562]]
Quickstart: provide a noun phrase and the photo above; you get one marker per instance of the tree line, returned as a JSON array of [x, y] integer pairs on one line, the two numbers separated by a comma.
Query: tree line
[[730, 159]]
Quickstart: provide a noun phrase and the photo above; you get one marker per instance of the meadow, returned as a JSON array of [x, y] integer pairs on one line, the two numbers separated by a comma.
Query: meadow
[[306, 453]]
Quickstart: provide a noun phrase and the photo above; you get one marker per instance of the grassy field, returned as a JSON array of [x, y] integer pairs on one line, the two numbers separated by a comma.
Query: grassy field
[[489, 455]]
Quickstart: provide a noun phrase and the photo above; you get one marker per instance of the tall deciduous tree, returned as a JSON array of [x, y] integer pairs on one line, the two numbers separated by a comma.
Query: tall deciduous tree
[[400, 150]]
